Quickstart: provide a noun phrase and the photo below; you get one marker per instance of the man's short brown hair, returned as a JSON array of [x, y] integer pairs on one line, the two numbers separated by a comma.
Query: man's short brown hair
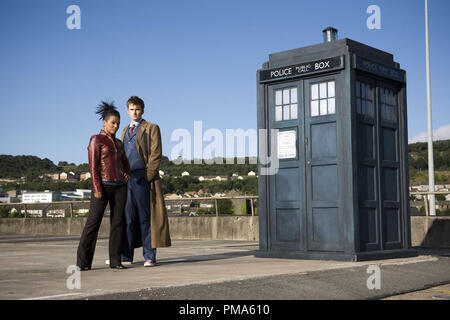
[[136, 101]]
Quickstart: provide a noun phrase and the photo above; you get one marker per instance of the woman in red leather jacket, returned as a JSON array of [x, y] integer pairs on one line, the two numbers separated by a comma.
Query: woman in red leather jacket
[[110, 171]]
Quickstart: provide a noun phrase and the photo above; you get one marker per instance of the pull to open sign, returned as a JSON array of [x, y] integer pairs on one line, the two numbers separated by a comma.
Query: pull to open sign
[[301, 69]]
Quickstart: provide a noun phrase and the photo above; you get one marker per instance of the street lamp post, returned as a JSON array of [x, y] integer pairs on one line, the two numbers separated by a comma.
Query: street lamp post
[[430, 128]]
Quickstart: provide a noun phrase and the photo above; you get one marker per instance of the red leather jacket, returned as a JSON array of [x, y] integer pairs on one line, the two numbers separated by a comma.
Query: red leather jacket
[[107, 160]]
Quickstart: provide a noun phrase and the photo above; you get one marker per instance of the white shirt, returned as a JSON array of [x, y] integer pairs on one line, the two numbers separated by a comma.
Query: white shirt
[[135, 123]]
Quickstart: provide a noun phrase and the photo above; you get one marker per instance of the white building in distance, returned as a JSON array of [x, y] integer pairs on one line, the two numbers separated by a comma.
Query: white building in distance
[[79, 194], [42, 196], [85, 176]]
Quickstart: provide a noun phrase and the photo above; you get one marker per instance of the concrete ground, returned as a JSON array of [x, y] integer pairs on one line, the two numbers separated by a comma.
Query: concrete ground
[[434, 293], [35, 267]]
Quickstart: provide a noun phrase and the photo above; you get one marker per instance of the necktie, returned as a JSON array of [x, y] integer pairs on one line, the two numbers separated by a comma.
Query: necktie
[[130, 132]]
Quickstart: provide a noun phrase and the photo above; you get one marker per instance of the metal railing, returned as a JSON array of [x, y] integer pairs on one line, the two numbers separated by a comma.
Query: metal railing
[[216, 199], [425, 198], [68, 206], [45, 207]]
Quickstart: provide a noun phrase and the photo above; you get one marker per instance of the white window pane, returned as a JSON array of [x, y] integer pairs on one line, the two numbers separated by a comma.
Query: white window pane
[[314, 92], [358, 89], [323, 90], [286, 112], [363, 107], [314, 108], [323, 107], [294, 95], [363, 90], [286, 99], [358, 106], [331, 106], [278, 113], [278, 98], [293, 111], [331, 89]]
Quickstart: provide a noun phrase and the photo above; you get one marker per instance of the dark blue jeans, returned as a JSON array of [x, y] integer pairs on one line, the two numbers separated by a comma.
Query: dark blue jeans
[[138, 208]]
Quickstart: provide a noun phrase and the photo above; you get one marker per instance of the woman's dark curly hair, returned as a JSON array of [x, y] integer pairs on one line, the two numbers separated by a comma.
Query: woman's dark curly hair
[[105, 110]]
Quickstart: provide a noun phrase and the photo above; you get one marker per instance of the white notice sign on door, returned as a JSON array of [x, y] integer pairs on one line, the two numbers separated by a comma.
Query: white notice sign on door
[[287, 148]]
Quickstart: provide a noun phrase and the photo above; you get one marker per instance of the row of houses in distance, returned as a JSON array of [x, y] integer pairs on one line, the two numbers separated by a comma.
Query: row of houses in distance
[[424, 188], [84, 194], [47, 203], [66, 177], [53, 177], [43, 196], [72, 176], [75, 177], [81, 194], [51, 196], [218, 178]]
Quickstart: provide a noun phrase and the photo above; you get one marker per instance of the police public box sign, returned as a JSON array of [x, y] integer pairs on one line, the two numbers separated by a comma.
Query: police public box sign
[[379, 69], [296, 70]]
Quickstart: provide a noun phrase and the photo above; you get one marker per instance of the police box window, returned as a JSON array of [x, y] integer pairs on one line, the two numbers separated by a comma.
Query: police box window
[[388, 103], [323, 99], [364, 99], [286, 106]]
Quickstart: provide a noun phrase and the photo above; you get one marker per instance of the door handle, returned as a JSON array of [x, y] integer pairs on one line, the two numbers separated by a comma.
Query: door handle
[[308, 162]]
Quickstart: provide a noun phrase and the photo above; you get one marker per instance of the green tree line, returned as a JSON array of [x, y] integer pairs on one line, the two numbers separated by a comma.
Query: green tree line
[[206, 169], [418, 155], [22, 166], [19, 166]]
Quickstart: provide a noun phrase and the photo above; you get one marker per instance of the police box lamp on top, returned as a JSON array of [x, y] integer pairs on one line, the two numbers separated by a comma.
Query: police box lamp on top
[[330, 34]]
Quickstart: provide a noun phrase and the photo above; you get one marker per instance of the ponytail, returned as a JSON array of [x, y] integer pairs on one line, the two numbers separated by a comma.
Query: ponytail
[[105, 110]]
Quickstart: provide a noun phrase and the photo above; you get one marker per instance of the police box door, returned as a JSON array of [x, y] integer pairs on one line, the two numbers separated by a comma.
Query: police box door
[[287, 186], [323, 216]]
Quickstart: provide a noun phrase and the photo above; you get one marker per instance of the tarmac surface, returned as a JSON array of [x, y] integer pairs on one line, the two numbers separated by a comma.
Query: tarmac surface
[[39, 268]]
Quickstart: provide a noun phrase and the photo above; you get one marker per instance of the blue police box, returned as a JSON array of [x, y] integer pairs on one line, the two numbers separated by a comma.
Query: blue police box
[[335, 121]]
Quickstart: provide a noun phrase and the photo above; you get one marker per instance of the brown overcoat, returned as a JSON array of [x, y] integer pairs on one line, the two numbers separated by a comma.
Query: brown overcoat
[[148, 143]]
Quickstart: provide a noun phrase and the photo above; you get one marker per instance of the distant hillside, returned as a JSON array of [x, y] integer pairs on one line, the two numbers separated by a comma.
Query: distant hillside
[[418, 155], [20, 166], [23, 166]]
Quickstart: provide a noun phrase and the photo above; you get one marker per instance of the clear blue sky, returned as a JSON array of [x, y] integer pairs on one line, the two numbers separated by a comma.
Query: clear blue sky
[[189, 60]]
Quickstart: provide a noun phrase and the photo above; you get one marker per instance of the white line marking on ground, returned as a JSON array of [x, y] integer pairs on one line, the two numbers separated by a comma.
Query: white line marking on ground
[[55, 296]]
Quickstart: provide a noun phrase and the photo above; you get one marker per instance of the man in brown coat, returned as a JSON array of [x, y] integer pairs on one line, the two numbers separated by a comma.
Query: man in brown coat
[[147, 224]]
